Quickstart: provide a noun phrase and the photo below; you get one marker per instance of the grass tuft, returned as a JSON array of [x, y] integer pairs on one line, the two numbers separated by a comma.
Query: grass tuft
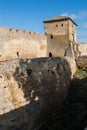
[[80, 74]]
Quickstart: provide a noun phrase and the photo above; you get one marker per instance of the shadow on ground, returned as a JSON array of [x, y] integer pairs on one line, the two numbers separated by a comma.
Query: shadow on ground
[[73, 115]]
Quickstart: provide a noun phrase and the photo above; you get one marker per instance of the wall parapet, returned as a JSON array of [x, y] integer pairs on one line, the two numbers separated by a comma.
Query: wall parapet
[[24, 33], [20, 44]]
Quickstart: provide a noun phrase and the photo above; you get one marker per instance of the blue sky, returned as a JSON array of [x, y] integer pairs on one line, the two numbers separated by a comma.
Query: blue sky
[[29, 14]]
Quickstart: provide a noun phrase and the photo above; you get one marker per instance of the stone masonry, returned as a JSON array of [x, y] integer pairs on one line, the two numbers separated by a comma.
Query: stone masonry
[[31, 90], [20, 44], [59, 40]]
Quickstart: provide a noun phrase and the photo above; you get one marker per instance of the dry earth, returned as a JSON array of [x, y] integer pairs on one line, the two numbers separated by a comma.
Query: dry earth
[[73, 115]]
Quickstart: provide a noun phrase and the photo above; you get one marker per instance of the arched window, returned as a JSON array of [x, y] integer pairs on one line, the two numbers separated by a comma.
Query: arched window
[[50, 54]]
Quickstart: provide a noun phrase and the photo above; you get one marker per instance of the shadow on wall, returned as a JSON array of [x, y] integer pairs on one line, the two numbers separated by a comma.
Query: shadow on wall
[[73, 115], [45, 83], [57, 45]]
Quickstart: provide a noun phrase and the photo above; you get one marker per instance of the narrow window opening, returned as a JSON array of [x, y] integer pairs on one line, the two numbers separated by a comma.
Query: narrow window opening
[[73, 37], [18, 54], [65, 53], [51, 36], [56, 25], [50, 54], [62, 25]]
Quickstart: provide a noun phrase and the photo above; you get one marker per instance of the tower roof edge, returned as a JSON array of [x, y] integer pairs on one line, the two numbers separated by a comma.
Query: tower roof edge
[[59, 18]]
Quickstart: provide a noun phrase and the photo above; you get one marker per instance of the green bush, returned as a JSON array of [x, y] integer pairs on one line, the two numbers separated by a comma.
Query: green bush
[[80, 74]]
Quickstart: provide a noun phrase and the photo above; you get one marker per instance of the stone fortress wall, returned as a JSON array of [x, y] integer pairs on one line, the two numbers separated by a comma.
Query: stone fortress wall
[[21, 44], [28, 83], [62, 38], [57, 37], [56, 28], [16, 43], [83, 48], [30, 90]]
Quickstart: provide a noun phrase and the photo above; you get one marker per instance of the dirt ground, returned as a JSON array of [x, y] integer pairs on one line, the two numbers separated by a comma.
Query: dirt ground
[[73, 115]]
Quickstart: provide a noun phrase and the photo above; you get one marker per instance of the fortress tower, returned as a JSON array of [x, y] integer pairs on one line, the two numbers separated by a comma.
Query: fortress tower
[[60, 31], [59, 40]]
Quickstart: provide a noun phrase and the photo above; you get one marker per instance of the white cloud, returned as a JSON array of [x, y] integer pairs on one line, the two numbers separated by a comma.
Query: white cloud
[[73, 16], [80, 15]]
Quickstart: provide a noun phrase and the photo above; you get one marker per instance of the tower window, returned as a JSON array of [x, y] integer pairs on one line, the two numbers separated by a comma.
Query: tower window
[[62, 25], [56, 25], [73, 37], [51, 36], [50, 54]]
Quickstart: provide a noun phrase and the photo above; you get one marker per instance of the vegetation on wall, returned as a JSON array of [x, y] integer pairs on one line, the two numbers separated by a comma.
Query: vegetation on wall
[[80, 74]]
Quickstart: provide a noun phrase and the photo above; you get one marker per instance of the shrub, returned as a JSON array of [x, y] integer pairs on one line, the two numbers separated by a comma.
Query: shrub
[[80, 74]]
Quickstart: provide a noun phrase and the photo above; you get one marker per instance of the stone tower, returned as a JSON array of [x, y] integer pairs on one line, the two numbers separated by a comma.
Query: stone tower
[[60, 31]]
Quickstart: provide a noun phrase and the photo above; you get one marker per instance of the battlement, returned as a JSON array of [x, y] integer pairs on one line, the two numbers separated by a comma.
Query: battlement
[[19, 44], [59, 41], [19, 32]]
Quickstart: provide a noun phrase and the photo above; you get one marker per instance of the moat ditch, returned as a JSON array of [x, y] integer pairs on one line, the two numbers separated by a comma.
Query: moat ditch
[[73, 115], [19, 75]]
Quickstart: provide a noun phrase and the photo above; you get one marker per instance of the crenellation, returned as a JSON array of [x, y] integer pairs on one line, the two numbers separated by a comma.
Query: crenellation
[[10, 29], [23, 31], [29, 32], [16, 32], [18, 43]]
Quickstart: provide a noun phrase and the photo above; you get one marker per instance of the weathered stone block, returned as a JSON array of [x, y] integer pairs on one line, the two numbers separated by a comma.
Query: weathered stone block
[[82, 62], [32, 91]]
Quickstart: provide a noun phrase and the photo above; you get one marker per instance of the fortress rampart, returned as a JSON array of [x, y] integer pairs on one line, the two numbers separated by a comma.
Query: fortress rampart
[[33, 89], [83, 48], [59, 40], [16, 43], [17, 32]]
